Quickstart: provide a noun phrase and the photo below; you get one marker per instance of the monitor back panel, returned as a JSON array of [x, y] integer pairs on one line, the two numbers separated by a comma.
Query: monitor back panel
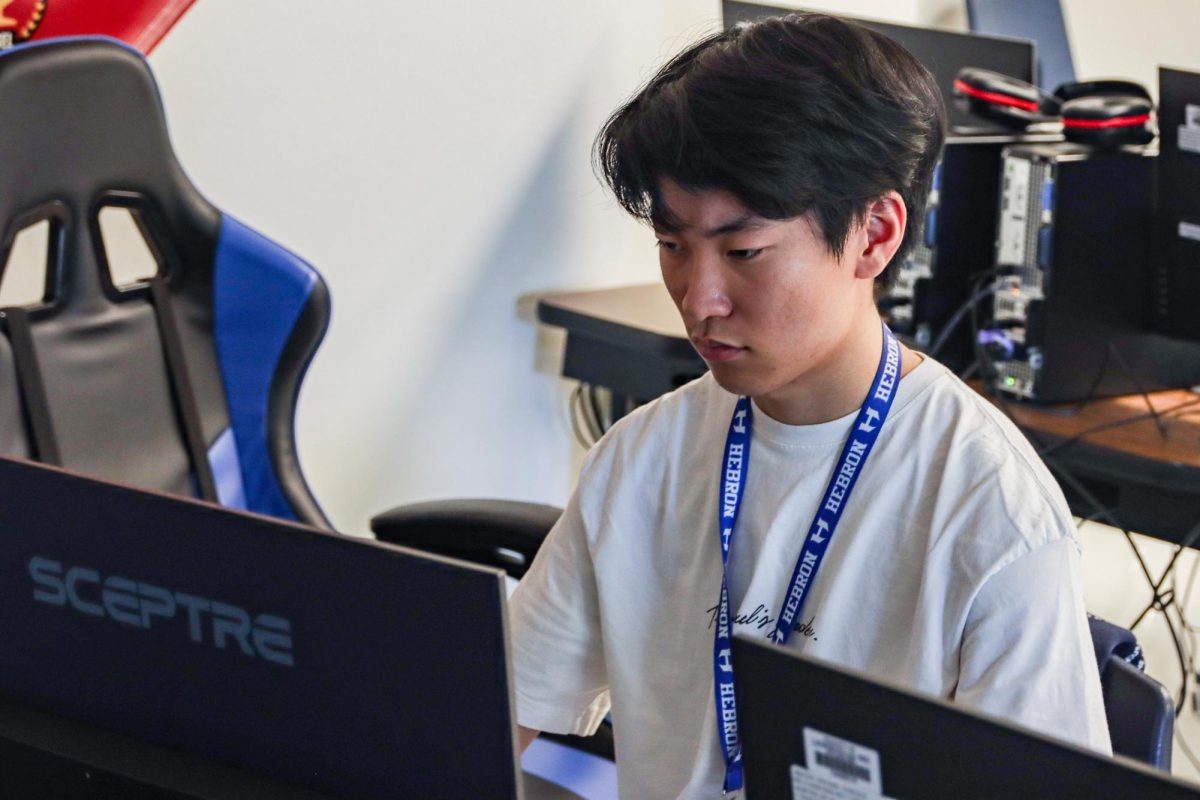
[[1177, 232], [926, 748], [943, 53], [44, 755], [340, 664], [1038, 20]]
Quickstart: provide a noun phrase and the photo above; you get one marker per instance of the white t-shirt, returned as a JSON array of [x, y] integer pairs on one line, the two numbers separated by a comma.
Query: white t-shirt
[[954, 571]]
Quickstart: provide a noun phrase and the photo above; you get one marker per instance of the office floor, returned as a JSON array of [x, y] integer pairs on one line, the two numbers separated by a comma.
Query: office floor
[[1116, 589]]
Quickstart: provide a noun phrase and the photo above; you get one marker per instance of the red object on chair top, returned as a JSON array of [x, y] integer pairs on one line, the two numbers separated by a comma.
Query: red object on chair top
[[141, 23]]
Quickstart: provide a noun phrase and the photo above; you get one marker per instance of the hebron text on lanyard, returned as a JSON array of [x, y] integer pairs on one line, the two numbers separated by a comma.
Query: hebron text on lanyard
[[734, 467]]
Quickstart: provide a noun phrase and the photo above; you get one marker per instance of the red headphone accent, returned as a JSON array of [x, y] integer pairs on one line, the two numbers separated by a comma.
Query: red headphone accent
[[1115, 122], [994, 97]]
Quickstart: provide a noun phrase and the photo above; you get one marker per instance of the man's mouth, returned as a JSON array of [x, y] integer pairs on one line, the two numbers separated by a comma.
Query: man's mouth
[[716, 350]]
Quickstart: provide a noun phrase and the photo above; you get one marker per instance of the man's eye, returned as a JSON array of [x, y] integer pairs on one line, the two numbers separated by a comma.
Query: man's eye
[[670, 247], [745, 255]]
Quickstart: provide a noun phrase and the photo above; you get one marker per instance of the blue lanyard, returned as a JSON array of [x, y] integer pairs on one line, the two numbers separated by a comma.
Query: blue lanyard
[[862, 438]]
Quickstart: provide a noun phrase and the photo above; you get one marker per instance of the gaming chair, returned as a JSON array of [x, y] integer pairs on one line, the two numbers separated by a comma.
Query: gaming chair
[[185, 382]]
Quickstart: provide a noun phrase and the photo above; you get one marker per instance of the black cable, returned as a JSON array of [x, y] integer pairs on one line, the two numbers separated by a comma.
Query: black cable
[[961, 312], [1090, 394], [1191, 657], [1191, 582], [1187, 627], [1124, 365], [1162, 600], [1187, 751], [1182, 699], [956, 320], [982, 361]]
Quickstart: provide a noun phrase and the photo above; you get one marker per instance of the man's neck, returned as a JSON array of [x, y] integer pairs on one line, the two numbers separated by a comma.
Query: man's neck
[[840, 385]]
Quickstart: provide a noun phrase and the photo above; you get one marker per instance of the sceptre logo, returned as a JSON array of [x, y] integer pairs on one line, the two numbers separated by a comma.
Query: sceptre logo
[[19, 19], [143, 605]]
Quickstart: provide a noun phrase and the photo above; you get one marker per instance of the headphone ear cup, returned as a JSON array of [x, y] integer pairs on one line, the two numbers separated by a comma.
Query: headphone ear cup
[[1075, 89], [1000, 98], [1109, 120]]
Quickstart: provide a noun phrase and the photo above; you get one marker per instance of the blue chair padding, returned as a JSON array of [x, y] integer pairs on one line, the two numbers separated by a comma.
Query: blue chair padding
[[259, 292], [227, 471], [588, 776]]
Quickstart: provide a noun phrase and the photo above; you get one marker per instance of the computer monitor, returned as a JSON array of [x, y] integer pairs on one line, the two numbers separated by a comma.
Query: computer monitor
[[1040, 21], [338, 664], [46, 756], [808, 726], [1177, 204], [943, 53]]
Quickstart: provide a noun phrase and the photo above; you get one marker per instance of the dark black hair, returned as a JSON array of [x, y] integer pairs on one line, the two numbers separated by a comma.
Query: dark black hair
[[794, 114]]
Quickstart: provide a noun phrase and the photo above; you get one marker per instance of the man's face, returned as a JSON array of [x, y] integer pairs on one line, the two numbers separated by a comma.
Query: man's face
[[765, 303]]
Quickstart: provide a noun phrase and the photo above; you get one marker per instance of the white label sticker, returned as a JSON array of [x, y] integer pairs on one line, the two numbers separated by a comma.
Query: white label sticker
[[1191, 116], [810, 786], [1189, 139], [842, 761], [1189, 230], [1014, 211]]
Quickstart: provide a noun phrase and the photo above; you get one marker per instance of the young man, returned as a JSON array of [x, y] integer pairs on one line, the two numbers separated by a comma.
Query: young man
[[872, 510]]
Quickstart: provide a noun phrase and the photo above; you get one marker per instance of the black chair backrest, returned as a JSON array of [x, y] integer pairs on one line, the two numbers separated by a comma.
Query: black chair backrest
[[185, 382]]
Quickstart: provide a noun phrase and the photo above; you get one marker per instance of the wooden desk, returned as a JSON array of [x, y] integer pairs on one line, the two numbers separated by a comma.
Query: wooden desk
[[631, 341], [1147, 476]]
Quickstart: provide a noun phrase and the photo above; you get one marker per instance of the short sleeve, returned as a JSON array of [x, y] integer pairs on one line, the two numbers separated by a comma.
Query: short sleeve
[[558, 657], [1027, 653]]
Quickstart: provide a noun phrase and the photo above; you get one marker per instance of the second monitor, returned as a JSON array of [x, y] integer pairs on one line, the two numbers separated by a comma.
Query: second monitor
[[342, 665], [810, 727]]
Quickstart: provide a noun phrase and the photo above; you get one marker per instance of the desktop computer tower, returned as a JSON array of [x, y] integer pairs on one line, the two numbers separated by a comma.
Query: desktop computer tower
[[957, 243], [1177, 231], [1070, 318]]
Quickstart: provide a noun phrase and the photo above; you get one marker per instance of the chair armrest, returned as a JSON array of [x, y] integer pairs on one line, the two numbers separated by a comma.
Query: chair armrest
[[498, 533]]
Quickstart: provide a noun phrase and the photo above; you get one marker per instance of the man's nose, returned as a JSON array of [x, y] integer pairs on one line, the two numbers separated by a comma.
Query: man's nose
[[706, 294]]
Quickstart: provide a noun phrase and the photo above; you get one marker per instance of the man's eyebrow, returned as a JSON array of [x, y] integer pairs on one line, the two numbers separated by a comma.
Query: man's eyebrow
[[746, 222]]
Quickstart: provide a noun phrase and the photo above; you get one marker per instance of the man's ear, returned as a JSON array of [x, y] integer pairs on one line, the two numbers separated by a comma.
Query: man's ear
[[885, 219]]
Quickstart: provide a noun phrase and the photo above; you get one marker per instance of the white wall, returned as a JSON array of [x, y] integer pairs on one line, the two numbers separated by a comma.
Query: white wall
[[433, 162], [1120, 39]]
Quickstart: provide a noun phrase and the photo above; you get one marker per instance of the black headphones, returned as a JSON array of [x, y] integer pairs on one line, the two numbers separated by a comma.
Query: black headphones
[[1104, 113], [994, 96], [1107, 113]]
